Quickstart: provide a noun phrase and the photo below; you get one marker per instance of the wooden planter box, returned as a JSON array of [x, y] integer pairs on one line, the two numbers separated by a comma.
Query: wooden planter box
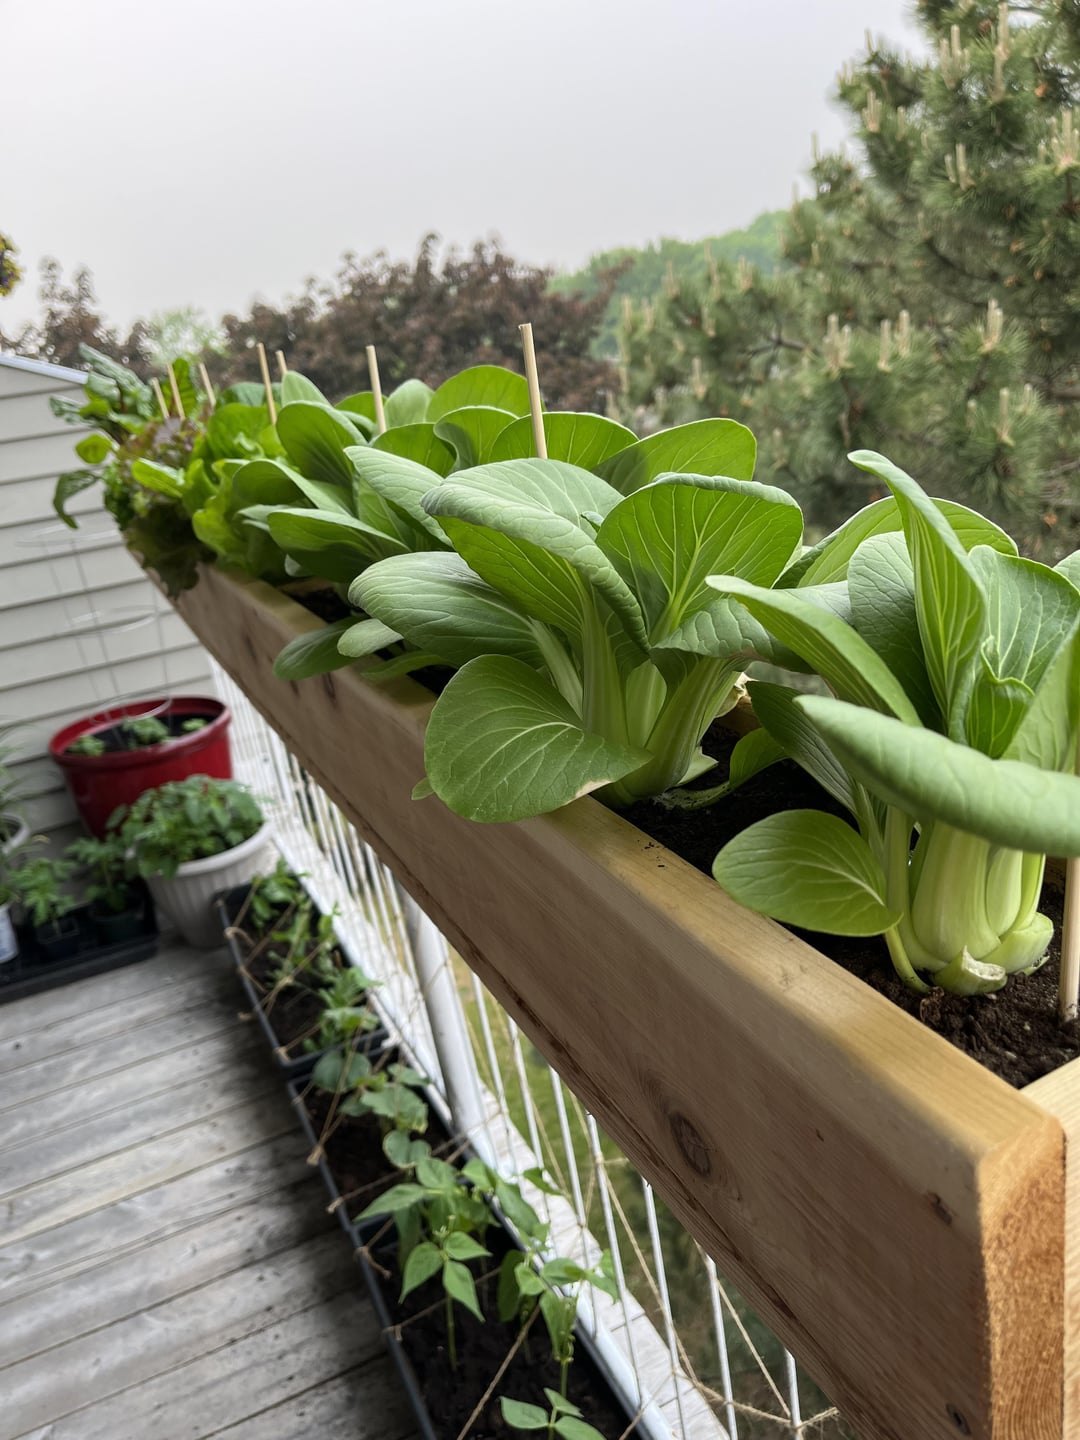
[[895, 1212]]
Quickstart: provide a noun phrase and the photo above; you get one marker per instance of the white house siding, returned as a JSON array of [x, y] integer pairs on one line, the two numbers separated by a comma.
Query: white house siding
[[69, 599]]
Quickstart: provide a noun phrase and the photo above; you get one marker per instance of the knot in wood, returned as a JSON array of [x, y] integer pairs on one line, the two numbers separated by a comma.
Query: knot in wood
[[957, 1418], [691, 1143]]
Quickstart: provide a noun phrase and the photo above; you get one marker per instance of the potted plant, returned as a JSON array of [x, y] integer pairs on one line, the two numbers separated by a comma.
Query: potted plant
[[39, 884], [116, 898], [190, 839], [109, 758]]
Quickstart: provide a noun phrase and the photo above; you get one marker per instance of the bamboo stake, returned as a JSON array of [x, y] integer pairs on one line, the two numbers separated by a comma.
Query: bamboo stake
[[1069, 977], [156, 386], [376, 389], [204, 376], [280, 356], [266, 381], [175, 392], [535, 408]]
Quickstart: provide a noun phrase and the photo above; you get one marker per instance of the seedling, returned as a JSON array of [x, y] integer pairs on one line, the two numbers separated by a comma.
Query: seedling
[[273, 894], [38, 885], [110, 883], [562, 1418], [392, 1094]]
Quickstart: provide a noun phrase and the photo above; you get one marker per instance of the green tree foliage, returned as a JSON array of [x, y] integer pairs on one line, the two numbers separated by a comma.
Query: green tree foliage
[[10, 269], [429, 317], [642, 274], [931, 307], [70, 318]]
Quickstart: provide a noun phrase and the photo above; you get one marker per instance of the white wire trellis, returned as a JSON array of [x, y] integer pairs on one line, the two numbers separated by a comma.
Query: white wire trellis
[[678, 1345]]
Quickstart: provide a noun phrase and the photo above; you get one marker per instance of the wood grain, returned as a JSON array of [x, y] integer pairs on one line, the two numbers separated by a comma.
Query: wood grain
[[893, 1210]]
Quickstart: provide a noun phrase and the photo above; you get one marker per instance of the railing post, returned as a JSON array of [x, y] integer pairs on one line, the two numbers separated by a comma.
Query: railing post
[[449, 1032]]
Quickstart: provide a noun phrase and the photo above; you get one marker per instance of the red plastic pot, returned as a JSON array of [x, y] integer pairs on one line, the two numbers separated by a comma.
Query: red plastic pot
[[99, 783]]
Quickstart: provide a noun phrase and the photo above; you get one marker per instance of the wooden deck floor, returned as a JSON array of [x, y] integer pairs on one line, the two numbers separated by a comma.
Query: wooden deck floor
[[168, 1270]]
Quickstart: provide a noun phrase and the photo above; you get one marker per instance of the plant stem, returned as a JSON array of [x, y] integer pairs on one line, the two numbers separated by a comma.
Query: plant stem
[[451, 1340]]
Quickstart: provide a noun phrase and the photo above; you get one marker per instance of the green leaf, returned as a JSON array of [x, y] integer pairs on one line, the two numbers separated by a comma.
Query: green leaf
[[668, 537], [840, 655], [828, 560], [408, 404], [1070, 568], [460, 1286], [163, 479], [522, 1416], [93, 449], [704, 447], [576, 437], [424, 1261], [365, 637], [785, 720], [808, 869], [403, 1149], [559, 1403], [472, 432], [503, 744], [315, 653], [233, 431], [1046, 736], [436, 1174], [460, 1246], [1007, 802], [440, 606], [295, 386], [401, 482], [330, 544], [518, 526], [316, 438], [755, 751], [273, 482], [569, 1427], [420, 444], [881, 589], [68, 485], [949, 600], [481, 385], [394, 1201]]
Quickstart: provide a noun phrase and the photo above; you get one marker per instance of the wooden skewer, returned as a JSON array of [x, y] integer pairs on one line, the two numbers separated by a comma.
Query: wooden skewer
[[376, 389], [175, 391], [266, 381], [280, 356], [156, 386], [535, 407], [205, 378], [1069, 977]]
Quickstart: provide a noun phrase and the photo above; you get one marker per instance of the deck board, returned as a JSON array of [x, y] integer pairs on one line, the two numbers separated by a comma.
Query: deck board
[[167, 1264]]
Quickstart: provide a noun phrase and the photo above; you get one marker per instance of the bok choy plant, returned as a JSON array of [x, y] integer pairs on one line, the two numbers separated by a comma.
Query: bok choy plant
[[955, 711], [593, 654]]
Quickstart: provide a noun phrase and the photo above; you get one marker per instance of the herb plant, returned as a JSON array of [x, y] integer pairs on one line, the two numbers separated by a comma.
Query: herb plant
[[955, 714], [109, 886], [274, 894], [392, 1094], [186, 820], [593, 654], [38, 884]]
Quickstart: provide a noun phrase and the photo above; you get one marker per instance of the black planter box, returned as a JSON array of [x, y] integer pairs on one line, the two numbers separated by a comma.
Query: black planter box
[[229, 905], [33, 970], [586, 1366]]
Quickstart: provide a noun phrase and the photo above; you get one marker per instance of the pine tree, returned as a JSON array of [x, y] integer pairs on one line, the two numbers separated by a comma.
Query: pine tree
[[931, 308]]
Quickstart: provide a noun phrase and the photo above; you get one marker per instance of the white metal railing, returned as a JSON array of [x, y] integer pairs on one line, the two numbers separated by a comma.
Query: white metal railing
[[679, 1346]]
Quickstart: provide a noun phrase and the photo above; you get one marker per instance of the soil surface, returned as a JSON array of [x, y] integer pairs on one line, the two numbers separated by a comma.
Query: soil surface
[[1015, 1032], [327, 604], [452, 1394], [354, 1150], [117, 738]]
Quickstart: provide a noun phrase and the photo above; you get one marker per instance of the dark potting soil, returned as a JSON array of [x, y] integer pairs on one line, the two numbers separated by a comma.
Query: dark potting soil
[[1015, 1032], [452, 1394], [354, 1152], [327, 604], [117, 738]]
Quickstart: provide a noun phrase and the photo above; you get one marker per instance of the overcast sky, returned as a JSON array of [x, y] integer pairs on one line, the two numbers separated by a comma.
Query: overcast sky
[[206, 151]]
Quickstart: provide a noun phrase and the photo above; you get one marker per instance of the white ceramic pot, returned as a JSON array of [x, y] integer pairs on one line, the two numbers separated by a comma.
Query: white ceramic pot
[[9, 945], [187, 898], [14, 831]]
